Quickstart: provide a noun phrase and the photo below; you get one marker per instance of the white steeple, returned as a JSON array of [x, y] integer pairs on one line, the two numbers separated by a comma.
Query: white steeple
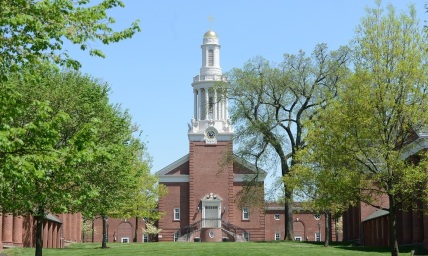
[[210, 122]]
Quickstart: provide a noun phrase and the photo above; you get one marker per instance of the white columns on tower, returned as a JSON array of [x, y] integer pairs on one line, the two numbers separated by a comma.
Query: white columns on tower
[[206, 104], [195, 104], [226, 110], [215, 105], [199, 104], [210, 104]]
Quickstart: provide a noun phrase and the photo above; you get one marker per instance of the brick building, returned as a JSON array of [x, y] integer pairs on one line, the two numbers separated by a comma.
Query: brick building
[[203, 185], [118, 230], [58, 230], [307, 226]]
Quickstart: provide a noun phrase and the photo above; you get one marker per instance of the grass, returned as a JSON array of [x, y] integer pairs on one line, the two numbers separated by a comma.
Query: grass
[[190, 249]]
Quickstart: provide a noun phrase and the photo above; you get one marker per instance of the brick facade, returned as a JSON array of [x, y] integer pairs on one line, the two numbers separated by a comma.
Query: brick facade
[[118, 230], [306, 224], [190, 181], [19, 231], [209, 181]]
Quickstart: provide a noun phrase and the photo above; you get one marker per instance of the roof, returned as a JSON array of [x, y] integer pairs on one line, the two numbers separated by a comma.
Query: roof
[[210, 34], [52, 218], [248, 165], [376, 214], [275, 206], [173, 165], [417, 145]]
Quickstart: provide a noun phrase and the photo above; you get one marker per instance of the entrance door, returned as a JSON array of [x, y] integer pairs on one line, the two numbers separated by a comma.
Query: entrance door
[[211, 215]]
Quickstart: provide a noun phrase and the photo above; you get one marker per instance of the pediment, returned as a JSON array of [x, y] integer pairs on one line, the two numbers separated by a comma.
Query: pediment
[[178, 167], [420, 143], [244, 170]]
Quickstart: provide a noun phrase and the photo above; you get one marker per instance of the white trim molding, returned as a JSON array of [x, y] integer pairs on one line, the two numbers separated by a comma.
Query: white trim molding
[[173, 178]]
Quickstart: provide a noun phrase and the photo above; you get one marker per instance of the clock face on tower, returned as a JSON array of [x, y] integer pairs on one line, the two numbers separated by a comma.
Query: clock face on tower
[[210, 136]]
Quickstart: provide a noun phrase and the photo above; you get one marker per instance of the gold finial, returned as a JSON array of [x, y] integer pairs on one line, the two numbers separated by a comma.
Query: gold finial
[[211, 19]]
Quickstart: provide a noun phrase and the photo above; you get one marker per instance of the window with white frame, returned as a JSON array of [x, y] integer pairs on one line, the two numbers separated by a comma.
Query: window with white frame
[[210, 57], [176, 236], [298, 238], [317, 216], [125, 240], [277, 236], [245, 213], [176, 213], [317, 237], [276, 216], [247, 236], [145, 238]]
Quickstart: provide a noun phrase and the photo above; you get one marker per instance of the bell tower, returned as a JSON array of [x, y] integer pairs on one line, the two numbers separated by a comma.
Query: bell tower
[[211, 194], [203, 184], [210, 122]]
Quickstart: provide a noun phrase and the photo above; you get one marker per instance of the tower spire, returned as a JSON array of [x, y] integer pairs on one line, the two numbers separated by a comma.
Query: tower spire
[[210, 117], [211, 19]]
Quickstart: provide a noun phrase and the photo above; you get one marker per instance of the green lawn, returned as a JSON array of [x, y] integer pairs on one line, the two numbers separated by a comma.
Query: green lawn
[[189, 249]]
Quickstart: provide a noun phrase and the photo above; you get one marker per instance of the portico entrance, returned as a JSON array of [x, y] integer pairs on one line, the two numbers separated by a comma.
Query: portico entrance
[[211, 211]]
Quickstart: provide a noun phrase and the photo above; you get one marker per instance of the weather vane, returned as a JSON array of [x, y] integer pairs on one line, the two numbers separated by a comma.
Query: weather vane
[[210, 18]]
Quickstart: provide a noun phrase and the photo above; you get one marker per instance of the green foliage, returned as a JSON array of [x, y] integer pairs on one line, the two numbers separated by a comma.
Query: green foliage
[[357, 146], [379, 110], [64, 140], [151, 229], [32, 31], [270, 104], [142, 201]]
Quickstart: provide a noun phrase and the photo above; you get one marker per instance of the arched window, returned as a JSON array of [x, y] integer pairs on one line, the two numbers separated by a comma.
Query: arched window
[[210, 57]]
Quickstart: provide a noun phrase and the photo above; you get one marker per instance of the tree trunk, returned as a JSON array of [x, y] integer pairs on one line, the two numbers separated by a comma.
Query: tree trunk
[[393, 226], [327, 229], [289, 234], [136, 230], [336, 229], [40, 218], [104, 243], [93, 231], [39, 235]]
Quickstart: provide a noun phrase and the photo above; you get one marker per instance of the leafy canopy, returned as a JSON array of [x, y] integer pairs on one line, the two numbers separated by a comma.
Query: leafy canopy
[[32, 31]]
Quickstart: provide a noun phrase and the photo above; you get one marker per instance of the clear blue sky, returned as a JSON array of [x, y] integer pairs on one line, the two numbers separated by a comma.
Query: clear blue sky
[[151, 74]]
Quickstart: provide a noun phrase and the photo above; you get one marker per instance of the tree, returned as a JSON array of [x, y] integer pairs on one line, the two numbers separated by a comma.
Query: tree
[[33, 31], [270, 103], [114, 173], [41, 146], [55, 137], [321, 189], [151, 229], [143, 200], [363, 134]]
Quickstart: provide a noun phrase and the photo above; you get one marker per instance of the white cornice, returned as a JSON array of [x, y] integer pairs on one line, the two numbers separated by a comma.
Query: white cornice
[[248, 177], [185, 178], [201, 137], [416, 146], [173, 178]]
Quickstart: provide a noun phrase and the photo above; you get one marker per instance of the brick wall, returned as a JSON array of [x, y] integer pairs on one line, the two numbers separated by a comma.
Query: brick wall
[[255, 225], [209, 175], [117, 229], [177, 197], [305, 225]]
